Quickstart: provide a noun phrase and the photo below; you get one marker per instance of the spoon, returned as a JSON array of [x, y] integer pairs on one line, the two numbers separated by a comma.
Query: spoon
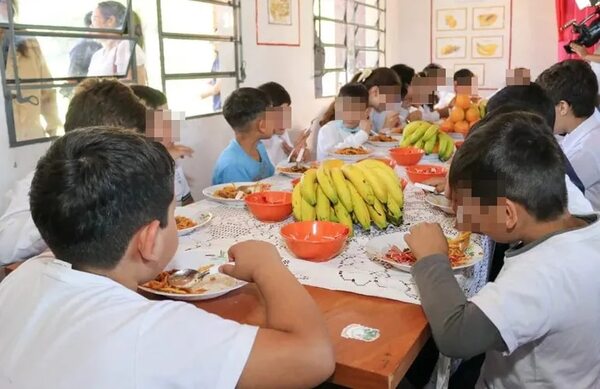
[[186, 278]]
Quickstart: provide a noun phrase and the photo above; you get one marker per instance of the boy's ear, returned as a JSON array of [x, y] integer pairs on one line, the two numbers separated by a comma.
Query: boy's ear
[[563, 108], [147, 241], [512, 216]]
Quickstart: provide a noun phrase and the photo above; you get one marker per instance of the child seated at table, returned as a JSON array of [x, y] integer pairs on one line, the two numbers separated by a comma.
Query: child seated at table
[[102, 199], [537, 322], [351, 127], [248, 112], [163, 126], [279, 146]]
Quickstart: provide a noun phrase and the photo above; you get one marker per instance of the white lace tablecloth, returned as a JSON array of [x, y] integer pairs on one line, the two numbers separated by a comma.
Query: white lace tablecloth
[[352, 271]]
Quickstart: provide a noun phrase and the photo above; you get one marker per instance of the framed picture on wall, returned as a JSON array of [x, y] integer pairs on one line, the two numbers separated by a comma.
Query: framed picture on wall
[[488, 18], [477, 68], [487, 47], [278, 22], [451, 47], [454, 19]]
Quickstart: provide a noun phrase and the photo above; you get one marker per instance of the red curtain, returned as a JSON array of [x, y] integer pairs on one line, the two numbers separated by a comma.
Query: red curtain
[[567, 10]]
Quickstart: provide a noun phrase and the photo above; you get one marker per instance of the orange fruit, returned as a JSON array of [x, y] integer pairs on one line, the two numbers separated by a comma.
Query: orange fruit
[[462, 127], [462, 101], [472, 115], [457, 114], [447, 126]]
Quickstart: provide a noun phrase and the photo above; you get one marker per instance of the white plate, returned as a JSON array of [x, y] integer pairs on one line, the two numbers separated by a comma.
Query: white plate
[[351, 158], [287, 165], [439, 201], [201, 219], [389, 145], [194, 259], [377, 248], [209, 192]]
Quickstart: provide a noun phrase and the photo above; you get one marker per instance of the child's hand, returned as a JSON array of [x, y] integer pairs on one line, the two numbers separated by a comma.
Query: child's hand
[[392, 120], [367, 126], [180, 151], [444, 112], [426, 239], [287, 149], [438, 183], [580, 50], [416, 115], [250, 258]]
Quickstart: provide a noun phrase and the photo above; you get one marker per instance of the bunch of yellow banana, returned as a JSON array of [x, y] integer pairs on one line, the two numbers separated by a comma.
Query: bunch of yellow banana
[[366, 192], [428, 137]]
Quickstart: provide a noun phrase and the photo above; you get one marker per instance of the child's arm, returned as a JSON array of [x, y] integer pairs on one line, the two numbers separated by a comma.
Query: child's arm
[[293, 349], [459, 327]]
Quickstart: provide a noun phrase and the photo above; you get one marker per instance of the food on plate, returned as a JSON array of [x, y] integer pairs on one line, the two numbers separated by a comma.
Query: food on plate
[[487, 50], [234, 192], [293, 169], [184, 222], [367, 192], [449, 49], [486, 20], [382, 138], [428, 137], [209, 283], [456, 252], [352, 151]]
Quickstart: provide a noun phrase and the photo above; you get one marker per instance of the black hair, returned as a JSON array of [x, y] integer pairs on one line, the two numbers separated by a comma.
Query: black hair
[[113, 9], [87, 19], [356, 90], [432, 66], [530, 98], [152, 98], [276, 93], [463, 77], [94, 189], [244, 106], [379, 77], [513, 155], [406, 74], [572, 81]]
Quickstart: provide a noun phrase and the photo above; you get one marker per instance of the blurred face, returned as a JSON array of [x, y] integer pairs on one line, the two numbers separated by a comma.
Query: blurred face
[[163, 126], [99, 21], [283, 118], [270, 121], [423, 89], [385, 98], [518, 77], [466, 86], [351, 110]]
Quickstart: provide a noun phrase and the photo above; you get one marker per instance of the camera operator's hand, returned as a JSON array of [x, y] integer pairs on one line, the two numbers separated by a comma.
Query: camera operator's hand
[[580, 50]]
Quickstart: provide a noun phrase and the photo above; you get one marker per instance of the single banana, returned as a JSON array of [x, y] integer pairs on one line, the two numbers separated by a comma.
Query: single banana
[[420, 144], [357, 178], [308, 186], [324, 179], [332, 216], [322, 208], [297, 202], [448, 151], [394, 212], [308, 212], [419, 132], [379, 188], [341, 187], [431, 132], [343, 216], [360, 209], [430, 144], [377, 213], [443, 146]]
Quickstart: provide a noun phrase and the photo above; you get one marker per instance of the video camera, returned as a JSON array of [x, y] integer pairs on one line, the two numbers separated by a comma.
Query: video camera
[[589, 34]]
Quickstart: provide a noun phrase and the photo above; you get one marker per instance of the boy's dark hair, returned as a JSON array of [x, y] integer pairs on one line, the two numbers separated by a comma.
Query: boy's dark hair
[[406, 74], [530, 98], [515, 156], [105, 102], [573, 81], [152, 98], [379, 77], [95, 188], [463, 77], [356, 90], [114, 9], [432, 66], [244, 106], [87, 19], [277, 94]]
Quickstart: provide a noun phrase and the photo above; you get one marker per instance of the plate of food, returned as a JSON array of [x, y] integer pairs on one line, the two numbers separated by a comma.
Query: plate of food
[[382, 140], [211, 285], [351, 153], [293, 169], [441, 202], [393, 250], [235, 192], [189, 220]]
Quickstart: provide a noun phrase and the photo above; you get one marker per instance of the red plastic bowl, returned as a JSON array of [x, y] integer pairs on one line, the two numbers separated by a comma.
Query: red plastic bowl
[[270, 206], [315, 241], [423, 173], [407, 156]]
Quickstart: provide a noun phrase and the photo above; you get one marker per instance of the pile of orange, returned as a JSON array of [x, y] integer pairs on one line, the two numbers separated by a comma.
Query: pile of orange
[[462, 117]]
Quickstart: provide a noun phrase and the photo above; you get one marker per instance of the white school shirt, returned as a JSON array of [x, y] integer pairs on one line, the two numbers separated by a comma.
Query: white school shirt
[[19, 237], [582, 148], [429, 115], [545, 304], [182, 189], [577, 203], [104, 62], [63, 328], [333, 136], [274, 147]]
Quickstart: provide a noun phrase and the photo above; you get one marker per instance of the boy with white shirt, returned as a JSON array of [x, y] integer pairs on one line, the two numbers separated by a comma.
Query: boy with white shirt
[[538, 321], [102, 199], [573, 87], [351, 127]]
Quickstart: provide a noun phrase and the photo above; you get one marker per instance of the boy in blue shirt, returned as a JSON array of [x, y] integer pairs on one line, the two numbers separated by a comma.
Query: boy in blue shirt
[[245, 158]]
